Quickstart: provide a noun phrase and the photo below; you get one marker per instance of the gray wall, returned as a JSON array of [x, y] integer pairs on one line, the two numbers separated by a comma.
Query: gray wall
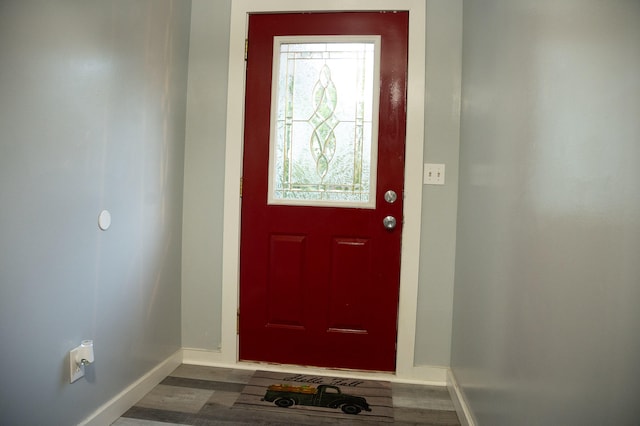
[[439, 203], [92, 117], [204, 174], [547, 285]]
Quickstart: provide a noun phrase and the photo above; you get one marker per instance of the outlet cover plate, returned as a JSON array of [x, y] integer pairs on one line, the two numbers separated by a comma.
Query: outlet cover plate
[[75, 371]]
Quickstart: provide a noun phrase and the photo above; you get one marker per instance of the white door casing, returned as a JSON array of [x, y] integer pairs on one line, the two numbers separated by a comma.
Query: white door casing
[[413, 168]]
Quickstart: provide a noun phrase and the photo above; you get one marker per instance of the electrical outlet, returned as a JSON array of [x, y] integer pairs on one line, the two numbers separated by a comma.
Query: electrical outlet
[[76, 370], [433, 174]]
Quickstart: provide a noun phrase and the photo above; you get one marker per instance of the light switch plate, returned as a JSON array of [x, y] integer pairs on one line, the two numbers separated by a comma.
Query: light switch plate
[[433, 174]]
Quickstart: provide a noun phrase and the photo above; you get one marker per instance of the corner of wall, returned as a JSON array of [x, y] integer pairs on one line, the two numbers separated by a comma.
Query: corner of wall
[[465, 415]]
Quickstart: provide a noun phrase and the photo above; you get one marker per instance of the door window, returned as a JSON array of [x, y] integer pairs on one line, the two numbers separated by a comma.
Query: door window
[[323, 139]]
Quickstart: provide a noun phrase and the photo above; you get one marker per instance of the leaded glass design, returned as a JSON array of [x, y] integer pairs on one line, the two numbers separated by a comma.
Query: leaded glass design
[[324, 121]]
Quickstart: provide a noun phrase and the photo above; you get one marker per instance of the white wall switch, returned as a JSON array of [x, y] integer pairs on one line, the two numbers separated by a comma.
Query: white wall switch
[[433, 174]]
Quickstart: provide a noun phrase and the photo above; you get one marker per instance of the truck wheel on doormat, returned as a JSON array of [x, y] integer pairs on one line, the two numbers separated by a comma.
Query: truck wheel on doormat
[[350, 409], [284, 402]]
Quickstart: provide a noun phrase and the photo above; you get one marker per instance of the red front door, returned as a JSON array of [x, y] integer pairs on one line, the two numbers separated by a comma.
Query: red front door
[[319, 284]]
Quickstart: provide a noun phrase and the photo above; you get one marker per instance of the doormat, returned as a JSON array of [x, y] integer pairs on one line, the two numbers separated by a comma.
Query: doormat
[[312, 395]]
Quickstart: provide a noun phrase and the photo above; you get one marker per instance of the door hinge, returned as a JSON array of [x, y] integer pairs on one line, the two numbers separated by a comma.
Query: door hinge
[[238, 322], [240, 187], [246, 49]]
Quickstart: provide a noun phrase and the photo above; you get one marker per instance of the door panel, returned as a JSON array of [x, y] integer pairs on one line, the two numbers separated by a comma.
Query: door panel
[[347, 289], [319, 285], [286, 285]]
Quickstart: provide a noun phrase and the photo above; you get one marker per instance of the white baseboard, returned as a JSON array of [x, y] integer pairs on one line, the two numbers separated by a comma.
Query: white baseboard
[[465, 415], [424, 375], [205, 357], [120, 403]]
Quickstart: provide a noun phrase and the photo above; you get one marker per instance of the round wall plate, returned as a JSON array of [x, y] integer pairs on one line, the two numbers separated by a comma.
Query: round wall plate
[[104, 220]]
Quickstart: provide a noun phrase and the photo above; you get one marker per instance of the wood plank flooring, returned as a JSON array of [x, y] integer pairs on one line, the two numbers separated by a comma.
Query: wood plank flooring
[[203, 396]]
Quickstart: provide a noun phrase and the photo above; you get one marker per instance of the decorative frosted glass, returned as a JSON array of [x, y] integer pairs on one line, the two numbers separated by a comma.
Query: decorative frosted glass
[[324, 121]]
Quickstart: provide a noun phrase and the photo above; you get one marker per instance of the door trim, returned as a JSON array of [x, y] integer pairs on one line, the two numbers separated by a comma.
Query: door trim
[[410, 254]]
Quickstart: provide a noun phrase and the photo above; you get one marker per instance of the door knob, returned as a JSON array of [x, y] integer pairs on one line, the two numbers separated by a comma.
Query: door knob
[[389, 222], [390, 196]]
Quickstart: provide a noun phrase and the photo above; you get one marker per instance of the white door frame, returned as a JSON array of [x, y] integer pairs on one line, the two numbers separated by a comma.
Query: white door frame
[[413, 168]]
